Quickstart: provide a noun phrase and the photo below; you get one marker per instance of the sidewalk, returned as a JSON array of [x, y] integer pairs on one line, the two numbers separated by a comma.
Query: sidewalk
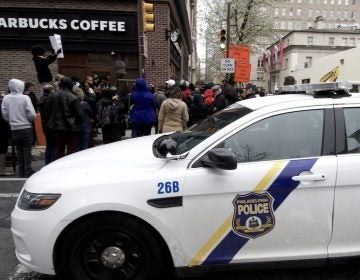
[[38, 156]]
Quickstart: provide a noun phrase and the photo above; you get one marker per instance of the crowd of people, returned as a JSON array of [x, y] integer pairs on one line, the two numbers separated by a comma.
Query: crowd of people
[[73, 112]]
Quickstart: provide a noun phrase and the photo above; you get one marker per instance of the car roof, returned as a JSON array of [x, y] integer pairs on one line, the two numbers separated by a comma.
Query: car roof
[[257, 103], [284, 100]]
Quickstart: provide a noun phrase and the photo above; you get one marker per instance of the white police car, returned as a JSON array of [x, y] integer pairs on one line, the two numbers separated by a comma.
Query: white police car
[[273, 179]]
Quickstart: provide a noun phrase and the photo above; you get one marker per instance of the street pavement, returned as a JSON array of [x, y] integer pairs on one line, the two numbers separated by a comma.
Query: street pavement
[[10, 269]]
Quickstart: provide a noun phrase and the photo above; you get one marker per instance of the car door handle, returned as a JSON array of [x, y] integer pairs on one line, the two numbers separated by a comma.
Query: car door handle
[[309, 177]]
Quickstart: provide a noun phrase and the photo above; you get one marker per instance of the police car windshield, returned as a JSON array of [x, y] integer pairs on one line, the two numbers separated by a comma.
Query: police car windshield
[[197, 133]]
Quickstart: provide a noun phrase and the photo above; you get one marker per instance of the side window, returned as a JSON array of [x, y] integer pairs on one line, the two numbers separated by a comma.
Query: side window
[[290, 135], [352, 125]]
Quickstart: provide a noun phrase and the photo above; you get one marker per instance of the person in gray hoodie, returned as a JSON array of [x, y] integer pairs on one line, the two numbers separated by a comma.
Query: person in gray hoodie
[[18, 111]]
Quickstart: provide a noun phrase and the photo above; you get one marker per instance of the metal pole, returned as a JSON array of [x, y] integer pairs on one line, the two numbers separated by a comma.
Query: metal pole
[[228, 39], [228, 29], [141, 33]]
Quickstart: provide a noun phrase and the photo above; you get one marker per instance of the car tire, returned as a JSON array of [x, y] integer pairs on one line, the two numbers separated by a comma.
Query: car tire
[[110, 247]]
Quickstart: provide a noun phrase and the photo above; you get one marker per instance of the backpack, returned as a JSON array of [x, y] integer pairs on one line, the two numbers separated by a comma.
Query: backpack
[[116, 114], [105, 115], [112, 114]]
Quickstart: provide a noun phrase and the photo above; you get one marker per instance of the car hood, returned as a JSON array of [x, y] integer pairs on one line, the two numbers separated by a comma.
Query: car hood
[[107, 164], [135, 153]]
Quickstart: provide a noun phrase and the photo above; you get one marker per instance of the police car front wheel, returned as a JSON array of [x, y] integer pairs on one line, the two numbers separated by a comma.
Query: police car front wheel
[[110, 247]]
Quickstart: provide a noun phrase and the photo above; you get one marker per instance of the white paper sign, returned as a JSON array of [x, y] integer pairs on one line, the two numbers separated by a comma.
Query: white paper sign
[[56, 44], [227, 65]]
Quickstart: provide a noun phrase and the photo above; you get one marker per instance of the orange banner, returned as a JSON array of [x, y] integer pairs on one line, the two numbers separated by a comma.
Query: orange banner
[[40, 137], [242, 72], [241, 53]]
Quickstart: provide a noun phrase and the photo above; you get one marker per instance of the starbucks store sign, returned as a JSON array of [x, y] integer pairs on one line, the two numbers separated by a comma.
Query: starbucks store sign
[[89, 30], [62, 24]]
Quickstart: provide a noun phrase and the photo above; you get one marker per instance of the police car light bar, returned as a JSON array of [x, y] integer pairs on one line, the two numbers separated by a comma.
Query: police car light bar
[[314, 88]]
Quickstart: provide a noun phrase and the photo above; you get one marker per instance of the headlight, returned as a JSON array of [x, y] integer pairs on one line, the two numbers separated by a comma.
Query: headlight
[[37, 201]]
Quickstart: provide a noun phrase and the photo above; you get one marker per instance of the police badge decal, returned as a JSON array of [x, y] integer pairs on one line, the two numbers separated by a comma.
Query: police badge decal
[[253, 214]]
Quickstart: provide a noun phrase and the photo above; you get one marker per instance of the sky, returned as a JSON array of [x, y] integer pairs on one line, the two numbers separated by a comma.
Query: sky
[[201, 11]]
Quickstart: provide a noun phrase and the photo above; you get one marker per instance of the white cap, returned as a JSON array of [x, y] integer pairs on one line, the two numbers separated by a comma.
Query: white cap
[[170, 82], [76, 85], [216, 87]]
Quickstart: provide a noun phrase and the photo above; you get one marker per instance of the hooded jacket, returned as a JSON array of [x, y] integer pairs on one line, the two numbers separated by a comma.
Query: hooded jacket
[[64, 108], [144, 106], [16, 108], [173, 115]]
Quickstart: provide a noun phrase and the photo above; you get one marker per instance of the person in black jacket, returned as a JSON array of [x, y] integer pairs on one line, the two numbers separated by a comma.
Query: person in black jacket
[[111, 114], [42, 63], [65, 117], [219, 100], [198, 109], [50, 135], [250, 92], [231, 95], [29, 91], [85, 131]]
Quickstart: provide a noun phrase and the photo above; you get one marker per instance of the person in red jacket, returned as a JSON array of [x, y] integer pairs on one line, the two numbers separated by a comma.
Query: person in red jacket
[[185, 91], [208, 96]]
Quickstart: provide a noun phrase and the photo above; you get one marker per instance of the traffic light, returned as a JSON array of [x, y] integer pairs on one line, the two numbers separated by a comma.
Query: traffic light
[[222, 39], [148, 17]]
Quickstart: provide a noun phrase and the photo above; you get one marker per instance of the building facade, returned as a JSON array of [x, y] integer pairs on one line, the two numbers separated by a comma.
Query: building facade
[[301, 14], [292, 15], [98, 37], [302, 48]]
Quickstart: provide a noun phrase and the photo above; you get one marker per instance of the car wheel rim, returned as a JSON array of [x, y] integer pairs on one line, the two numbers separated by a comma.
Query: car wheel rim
[[110, 254], [112, 257]]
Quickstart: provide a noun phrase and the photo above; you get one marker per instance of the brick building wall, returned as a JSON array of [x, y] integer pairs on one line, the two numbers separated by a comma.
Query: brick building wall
[[157, 68], [18, 64]]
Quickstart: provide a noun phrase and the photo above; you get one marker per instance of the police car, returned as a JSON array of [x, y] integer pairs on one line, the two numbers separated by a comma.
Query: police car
[[267, 180]]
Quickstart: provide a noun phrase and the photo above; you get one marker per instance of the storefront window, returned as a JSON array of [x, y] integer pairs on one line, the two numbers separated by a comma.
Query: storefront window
[[127, 66], [175, 60], [100, 59]]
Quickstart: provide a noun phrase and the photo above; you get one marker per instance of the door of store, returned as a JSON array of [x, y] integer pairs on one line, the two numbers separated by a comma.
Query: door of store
[[80, 65]]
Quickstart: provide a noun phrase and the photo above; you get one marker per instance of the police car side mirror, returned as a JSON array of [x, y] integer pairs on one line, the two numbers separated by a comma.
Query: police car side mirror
[[220, 158], [166, 146]]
